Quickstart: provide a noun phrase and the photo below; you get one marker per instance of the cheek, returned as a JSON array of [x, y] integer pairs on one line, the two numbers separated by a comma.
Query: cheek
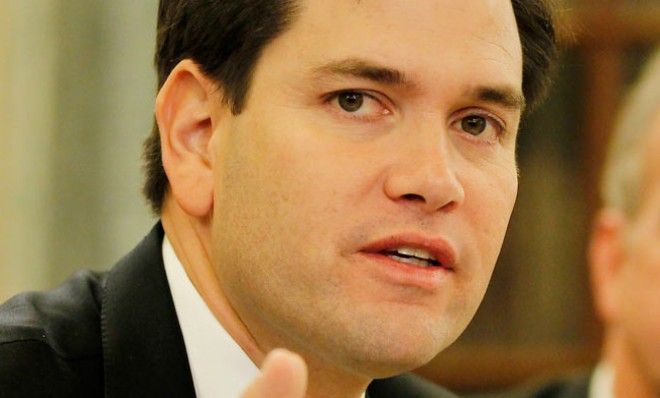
[[490, 198], [641, 320], [641, 298], [489, 202], [279, 191]]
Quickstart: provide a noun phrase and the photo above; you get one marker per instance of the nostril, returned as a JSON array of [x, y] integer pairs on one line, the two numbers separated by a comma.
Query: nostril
[[413, 197]]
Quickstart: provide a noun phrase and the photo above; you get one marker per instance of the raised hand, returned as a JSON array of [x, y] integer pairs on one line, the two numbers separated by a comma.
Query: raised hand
[[283, 375]]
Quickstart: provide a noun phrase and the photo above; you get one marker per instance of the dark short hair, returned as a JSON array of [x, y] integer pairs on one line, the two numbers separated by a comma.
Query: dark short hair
[[225, 38]]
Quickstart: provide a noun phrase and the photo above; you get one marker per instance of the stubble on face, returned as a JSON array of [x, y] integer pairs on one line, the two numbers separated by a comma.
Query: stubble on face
[[302, 186]]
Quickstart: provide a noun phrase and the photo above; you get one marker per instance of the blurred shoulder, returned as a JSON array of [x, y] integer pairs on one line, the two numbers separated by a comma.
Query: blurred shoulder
[[51, 341], [573, 386]]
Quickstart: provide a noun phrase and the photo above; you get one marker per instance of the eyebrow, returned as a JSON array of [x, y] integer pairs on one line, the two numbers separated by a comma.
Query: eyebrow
[[504, 96], [363, 69]]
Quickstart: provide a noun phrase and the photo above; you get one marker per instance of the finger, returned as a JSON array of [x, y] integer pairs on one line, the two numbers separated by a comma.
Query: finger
[[283, 375]]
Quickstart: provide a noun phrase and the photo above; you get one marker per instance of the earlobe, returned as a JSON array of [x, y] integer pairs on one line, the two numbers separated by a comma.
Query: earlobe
[[606, 260], [184, 115]]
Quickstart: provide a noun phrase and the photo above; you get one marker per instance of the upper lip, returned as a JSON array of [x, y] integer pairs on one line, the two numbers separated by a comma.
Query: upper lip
[[439, 248]]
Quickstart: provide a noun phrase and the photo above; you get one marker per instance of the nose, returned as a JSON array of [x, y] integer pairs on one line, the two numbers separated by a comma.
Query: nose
[[425, 177]]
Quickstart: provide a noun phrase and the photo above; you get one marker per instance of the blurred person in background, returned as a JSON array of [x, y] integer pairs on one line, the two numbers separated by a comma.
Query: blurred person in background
[[624, 257], [624, 253], [332, 177]]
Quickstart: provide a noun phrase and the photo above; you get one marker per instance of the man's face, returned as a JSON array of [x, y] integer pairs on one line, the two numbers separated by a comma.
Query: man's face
[[375, 131], [639, 283]]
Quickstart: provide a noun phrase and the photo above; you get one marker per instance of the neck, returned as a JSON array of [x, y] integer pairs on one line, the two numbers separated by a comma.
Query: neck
[[190, 239], [629, 376]]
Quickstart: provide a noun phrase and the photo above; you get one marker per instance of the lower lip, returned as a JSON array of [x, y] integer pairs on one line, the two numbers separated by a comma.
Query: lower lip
[[428, 278]]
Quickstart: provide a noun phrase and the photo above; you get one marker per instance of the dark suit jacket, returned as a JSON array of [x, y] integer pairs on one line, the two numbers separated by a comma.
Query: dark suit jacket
[[114, 334], [575, 386]]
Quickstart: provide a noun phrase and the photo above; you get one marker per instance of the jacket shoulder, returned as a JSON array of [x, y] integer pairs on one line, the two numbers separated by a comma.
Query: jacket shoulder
[[50, 341], [570, 386], [406, 386]]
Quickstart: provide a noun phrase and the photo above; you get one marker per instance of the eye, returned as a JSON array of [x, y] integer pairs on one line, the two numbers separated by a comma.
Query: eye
[[350, 101], [481, 125], [473, 124], [358, 105]]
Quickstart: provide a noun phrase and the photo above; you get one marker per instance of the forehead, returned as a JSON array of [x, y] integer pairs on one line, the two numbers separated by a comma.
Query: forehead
[[429, 40]]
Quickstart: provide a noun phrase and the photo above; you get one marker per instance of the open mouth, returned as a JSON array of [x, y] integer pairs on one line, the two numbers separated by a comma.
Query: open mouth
[[414, 251], [412, 256], [410, 259]]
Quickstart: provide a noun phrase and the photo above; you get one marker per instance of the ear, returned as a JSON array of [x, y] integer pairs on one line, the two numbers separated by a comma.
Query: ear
[[606, 256], [184, 111]]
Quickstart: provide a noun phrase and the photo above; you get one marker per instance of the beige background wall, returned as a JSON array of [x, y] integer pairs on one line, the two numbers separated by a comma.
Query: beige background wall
[[76, 98]]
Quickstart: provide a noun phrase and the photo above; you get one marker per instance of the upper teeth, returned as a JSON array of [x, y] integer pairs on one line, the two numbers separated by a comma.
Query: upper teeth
[[413, 252]]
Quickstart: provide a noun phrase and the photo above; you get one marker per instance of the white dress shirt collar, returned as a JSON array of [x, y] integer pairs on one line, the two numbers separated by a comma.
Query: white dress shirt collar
[[219, 367], [602, 382]]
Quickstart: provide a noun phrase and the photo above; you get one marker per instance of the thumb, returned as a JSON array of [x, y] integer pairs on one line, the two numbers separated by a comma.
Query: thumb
[[283, 375]]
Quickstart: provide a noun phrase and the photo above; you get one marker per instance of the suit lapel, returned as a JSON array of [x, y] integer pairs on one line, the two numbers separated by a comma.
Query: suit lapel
[[143, 349]]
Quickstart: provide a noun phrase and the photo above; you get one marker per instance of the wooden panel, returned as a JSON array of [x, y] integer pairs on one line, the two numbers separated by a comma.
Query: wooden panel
[[609, 25], [484, 368]]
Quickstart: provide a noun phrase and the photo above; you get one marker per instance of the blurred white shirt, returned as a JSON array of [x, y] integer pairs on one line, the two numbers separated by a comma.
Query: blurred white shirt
[[602, 382]]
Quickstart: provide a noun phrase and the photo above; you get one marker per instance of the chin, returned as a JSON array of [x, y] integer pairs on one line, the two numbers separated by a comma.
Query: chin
[[382, 366], [401, 351]]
